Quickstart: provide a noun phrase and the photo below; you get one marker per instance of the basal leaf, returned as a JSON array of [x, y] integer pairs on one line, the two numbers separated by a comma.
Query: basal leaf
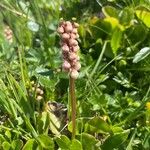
[[63, 142], [6, 145], [114, 141], [46, 142], [30, 145], [17, 144], [75, 145], [110, 11], [33, 26], [143, 53], [116, 40], [100, 124], [144, 15], [89, 142]]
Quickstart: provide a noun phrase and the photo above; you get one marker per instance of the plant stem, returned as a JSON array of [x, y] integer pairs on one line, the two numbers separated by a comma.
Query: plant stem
[[73, 106]]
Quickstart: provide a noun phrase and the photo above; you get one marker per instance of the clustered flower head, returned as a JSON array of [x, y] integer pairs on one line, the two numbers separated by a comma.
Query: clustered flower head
[[8, 34], [69, 44]]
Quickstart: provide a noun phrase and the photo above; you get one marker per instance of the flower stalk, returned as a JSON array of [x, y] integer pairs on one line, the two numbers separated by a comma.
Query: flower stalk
[[69, 45]]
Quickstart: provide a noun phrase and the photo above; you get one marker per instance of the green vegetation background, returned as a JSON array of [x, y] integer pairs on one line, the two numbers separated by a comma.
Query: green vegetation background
[[113, 86]]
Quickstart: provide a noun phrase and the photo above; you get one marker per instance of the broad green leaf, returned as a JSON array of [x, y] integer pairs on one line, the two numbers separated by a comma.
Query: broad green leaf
[[17, 144], [75, 145], [63, 142], [6, 146], [30, 145], [110, 11], [33, 26], [43, 122], [8, 134], [2, 139], [143, 53], [116, 129], [115, 141], [89, 142], [116, 40], [126, 16], [114, 23], [100, 124], [144, 15], [46, 142]]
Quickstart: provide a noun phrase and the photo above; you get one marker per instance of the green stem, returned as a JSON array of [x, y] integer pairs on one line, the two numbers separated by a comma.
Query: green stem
[[99, 59], [73, 106]]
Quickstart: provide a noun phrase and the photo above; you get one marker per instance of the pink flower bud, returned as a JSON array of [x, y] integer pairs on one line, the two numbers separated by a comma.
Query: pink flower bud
[[77, 66], [77, 36], [76, 25], [75, 30], [68, 28], [74, 74], [66, 65], [68, 23], [60, 30], [73, 36], [65, 36], [65, 48], [78, 58], [75, 48], [72, 56], [73, 42]]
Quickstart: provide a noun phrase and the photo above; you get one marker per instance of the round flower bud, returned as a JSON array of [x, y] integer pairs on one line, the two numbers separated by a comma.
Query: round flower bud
[[76, 25], [73, 36], [68, 28], [65, 36], [75, 30], [38, 90], [77, 66], [39, 97], [72, 56], [73, 42], [78, 58], [66, 65], [68, 23], [77, 36], [60, 30], [75, 48], [74, 74], [65, 48], [41, 92]]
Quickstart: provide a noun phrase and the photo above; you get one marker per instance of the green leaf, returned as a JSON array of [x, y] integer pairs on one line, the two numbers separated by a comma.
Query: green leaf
[[6, 145], [146, 142], [144, 15], [8, 134], [30, 145], [115, 141], [63, 142], [43, 122], [126, 16], [129, 147], [33, 26], [100, 124], [89, 142], [17, 144], [75, 145], [143, 53], [79, 127], [110, 11], [116, 40], [46, 142]]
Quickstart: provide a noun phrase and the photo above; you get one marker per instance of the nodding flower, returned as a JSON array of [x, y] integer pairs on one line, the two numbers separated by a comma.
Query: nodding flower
[[68, 32]]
